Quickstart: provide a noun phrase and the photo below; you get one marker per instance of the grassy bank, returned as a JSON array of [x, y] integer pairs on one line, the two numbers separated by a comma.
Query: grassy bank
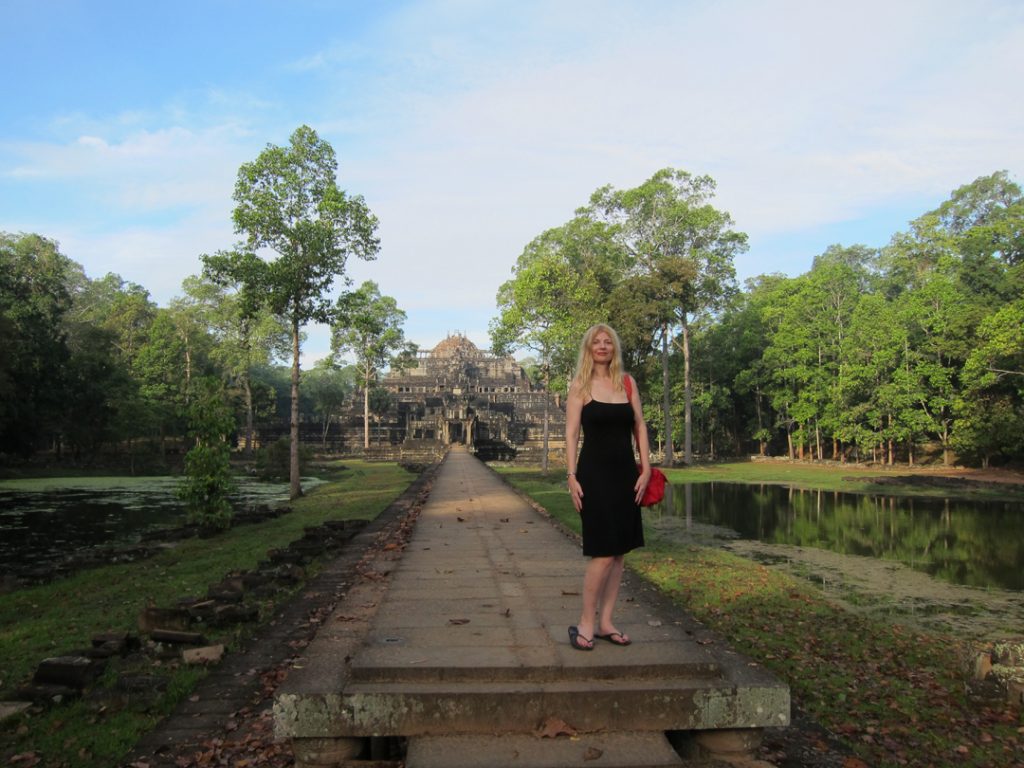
[[896, 696], [55, 618], [856, 478]]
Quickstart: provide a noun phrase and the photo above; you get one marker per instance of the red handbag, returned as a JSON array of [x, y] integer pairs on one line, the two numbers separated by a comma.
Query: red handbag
[[655, 490]]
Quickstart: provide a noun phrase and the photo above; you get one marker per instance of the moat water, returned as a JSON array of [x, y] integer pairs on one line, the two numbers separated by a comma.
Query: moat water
[[973, 543], [43, 521]]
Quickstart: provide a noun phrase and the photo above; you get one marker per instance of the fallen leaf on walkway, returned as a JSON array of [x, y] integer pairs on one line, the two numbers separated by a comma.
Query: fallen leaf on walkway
[[569, 592], [461, 519], [458, 621], [592, 753], [553, 727], [504, 519]]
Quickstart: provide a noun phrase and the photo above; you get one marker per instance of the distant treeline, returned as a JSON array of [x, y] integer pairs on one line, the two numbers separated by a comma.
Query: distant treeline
[[883, 354], [874, 354], [92, 368]]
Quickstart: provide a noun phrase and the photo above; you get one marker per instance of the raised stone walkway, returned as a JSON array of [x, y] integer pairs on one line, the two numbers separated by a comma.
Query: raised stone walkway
[[457, 654]]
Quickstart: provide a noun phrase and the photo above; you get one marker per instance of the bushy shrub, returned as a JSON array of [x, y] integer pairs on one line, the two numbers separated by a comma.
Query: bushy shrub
[[273, 462]]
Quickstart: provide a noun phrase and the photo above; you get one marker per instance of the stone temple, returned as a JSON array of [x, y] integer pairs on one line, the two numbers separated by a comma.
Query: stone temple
[[460, 395]]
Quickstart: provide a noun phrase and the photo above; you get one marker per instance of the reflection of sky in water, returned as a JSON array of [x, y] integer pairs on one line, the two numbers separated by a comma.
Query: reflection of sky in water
[[977, 543], [38, 527]]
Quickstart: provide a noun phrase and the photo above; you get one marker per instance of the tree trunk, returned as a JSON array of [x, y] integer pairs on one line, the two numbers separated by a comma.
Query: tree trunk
[[247, 388], [366, 411], [547, 383], [293, 472], [666, 398], [687, 398], [188, 372]]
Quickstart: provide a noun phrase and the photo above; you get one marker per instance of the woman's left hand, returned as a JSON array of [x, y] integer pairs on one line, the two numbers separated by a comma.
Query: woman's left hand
[[641, 484]]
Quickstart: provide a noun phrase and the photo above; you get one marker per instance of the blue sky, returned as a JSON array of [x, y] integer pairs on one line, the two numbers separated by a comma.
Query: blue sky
[[471, 127]]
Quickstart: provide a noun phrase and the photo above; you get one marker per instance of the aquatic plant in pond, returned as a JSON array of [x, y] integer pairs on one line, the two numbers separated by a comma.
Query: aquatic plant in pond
[[44, 520], [978, 543]]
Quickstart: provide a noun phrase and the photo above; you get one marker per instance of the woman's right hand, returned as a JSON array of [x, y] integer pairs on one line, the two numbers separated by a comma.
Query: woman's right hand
[[576, 492]]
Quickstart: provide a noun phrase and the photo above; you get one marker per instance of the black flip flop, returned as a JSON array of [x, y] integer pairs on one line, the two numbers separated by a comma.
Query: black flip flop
[[615, 638], [574, 640]]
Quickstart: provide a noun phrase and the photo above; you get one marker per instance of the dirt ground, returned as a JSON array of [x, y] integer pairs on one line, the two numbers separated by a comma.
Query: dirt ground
[[891, 590], [896, 592]]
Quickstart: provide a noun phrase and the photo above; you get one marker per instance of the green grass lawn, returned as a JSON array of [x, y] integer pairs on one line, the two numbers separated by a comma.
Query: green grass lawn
[[55, 618], [896, 696]]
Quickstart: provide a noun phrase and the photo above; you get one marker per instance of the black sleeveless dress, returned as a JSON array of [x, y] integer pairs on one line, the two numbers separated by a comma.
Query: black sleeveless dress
[[607, 472]]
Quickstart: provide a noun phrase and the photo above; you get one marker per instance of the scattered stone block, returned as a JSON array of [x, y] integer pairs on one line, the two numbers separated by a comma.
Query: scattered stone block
[[11, 708], [47, 694], [253, 580], [290, 574], [225, 594], [152, 618], [71, 671], [177, 638], [286, 557], [123, 641], [210, 654], [234, 614], [101, 652]]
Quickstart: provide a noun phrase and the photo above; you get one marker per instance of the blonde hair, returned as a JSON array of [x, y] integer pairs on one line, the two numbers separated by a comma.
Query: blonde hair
[[585, 362]]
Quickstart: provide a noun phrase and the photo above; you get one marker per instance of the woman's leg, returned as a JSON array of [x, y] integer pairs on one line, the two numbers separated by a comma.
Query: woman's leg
[[609, 594], [594, 579]]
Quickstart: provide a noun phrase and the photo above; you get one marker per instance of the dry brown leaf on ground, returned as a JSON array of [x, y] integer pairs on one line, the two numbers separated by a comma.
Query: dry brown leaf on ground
[[553, 727]]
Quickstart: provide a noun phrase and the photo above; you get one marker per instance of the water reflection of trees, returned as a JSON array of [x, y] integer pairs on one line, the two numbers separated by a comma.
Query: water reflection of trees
[[973, 543]]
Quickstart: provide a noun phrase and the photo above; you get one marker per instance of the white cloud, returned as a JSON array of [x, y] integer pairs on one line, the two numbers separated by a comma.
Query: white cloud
[[471, 128], [806, 114], [146, 171], [156, 258]]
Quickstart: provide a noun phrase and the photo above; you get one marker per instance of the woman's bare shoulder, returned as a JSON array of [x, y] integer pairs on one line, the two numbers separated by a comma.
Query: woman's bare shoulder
[[576, 393]]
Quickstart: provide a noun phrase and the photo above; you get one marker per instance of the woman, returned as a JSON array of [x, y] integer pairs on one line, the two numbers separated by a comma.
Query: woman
[[604, 483]]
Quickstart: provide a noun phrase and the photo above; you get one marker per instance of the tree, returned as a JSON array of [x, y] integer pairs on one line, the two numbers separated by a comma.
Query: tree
[[546, 308], [243, 340], [208, 482], [110, 317], [677, 237], [990, 408], [329, 387], [288, 201], [369, 326], [34, 299]]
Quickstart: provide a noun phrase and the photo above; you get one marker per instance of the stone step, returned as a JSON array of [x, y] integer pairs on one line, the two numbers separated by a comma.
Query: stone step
[[421, 655], [437, 708], [598, 750]]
